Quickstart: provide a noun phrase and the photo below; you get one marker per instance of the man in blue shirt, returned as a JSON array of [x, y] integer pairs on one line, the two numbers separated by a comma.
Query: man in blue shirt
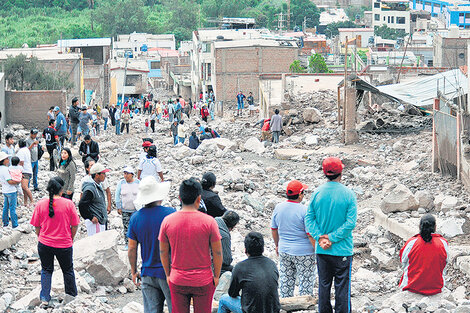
[[293, 245], [330, 220], [144, 228], [60, 125], [240, 104]]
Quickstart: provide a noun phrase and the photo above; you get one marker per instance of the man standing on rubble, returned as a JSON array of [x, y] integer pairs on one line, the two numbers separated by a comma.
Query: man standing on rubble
[[240, 104], [276, 125], [330, 220], [74, 115], [144, 228]]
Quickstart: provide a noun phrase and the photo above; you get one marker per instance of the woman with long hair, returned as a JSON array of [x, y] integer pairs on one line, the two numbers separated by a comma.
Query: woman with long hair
[[150, 166], [424, 258], [56, 222], [67, 170]]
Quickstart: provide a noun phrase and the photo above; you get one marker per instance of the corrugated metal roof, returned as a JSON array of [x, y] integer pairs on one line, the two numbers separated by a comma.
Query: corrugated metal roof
[[421, 92]]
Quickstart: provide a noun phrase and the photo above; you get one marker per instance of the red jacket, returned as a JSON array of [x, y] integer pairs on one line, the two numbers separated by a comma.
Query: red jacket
[[423, 264], [266, 126]]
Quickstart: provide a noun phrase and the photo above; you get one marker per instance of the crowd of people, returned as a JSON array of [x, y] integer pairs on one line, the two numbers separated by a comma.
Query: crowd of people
[[185, 250]]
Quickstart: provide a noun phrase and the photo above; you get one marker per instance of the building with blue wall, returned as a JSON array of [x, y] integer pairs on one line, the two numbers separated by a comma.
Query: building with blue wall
[[453, 12]]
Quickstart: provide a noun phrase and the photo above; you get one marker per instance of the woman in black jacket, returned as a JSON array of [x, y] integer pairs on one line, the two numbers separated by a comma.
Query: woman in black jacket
[[211, 199]]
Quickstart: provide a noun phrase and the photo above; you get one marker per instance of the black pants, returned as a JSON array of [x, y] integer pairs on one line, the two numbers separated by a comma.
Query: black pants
[[127, 127], [65, 258], [152, 125], [339, 268], [50, 150]]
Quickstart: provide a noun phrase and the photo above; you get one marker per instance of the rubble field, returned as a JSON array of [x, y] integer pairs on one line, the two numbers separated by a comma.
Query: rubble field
[[390, 172]]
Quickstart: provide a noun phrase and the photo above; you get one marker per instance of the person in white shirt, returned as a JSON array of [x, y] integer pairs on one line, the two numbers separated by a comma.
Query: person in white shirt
[[126, 193], [105, 116], [9, 193], [150, 166], [24, 155]]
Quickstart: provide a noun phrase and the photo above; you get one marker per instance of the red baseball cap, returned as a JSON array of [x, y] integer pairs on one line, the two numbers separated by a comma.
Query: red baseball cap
[[146, 144], [332, 166], [295, 187]]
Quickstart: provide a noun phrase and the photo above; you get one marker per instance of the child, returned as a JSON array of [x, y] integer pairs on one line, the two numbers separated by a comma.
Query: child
[[146, 125], [16, 173]]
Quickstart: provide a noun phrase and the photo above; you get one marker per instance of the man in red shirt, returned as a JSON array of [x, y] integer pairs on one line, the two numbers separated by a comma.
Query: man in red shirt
[[191, 235]]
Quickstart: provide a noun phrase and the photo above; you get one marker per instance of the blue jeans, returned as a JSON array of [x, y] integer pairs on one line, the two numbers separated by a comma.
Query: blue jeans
[[181, 139], [276, 136], [9, 205], [118, 127], [35, 166], [228, 304], [65, 258], [155, 291], [175, 140], [105, 123]]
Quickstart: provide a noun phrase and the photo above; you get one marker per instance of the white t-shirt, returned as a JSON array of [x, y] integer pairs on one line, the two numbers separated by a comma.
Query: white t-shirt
[[150, 167], [105, 113], [25, 156], [4, 176]]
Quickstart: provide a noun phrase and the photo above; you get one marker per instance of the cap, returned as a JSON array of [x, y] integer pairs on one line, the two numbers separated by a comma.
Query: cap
[[295, 187], [56, 109], [146, 144], [208, 179], [332, 166], [147, 139], [3, 156], [98, 168], [129, 169], [34, 131]]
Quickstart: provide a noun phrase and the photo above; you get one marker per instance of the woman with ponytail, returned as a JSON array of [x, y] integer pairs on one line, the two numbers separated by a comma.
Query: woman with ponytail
[[56, 221], [424, 258], [67, 170]]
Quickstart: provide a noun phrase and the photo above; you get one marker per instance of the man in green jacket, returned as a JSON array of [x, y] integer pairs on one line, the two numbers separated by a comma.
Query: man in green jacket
[[330, 220]]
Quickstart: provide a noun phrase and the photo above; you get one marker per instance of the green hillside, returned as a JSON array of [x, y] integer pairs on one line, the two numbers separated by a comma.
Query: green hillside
[[45, 21]]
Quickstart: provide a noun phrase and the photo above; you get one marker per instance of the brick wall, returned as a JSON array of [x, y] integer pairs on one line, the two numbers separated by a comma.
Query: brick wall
[[239, 68], [29, 108]]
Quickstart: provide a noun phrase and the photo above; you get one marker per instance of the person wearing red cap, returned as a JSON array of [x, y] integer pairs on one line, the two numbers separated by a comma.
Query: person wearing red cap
[[293, 245], [330, 220], [145, 145]]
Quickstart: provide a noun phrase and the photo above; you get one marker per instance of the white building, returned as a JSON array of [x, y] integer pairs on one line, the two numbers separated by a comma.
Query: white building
[[136, 78], [393, 13], [362, 35], [142, 41]]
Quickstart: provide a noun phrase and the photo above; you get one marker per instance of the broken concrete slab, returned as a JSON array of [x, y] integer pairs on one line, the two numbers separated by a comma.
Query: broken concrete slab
[[403, 230], [29, 300], [100, 257], [287, 154], [450, 227], [400, 199], [9, 240]]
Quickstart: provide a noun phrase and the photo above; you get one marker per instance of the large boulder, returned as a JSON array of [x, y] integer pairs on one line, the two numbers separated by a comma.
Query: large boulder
[[450, 227], [99, 256], [254, 145], [224, 143], [312, 115], [181, 152], [425, 199], [399, 199]]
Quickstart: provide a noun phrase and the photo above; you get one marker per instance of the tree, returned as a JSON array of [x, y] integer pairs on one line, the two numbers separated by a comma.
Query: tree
[[301, 9], [353, 11], [332, 28], [28, 74], [184, 17], [296, 67], [121, 17], [389, 33], [317, 64]]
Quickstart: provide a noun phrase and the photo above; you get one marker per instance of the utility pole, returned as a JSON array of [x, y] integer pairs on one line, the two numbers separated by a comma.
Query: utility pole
[[304, 24], [280, 22], [288, 14]]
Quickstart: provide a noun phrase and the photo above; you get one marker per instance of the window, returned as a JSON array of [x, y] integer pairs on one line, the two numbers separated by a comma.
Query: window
[[392, 19], [206, 47], [430, 63], [377, 5], [467, 15], [388, 19], [132, 80], [400, 20], [460, 14], [377, 17], [155, 65]]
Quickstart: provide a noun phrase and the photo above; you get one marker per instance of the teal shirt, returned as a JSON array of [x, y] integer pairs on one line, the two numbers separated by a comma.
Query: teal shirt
[[333, 211]]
